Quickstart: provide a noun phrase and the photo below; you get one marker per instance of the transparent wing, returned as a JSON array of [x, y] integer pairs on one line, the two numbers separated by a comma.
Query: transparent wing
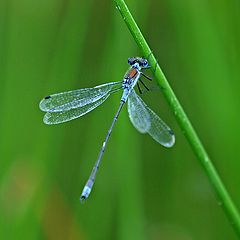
[[158, 129], [77, 98], [64, 116], [138, 114]]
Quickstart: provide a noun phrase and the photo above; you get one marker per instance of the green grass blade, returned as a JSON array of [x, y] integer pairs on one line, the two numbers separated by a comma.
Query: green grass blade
[[224, 198]]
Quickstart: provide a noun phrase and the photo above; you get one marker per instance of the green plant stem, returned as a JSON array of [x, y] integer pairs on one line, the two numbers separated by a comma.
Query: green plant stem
[[224, 198]]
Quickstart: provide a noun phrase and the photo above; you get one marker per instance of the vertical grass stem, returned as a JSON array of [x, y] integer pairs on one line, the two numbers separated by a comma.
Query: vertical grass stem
[[223, 196]]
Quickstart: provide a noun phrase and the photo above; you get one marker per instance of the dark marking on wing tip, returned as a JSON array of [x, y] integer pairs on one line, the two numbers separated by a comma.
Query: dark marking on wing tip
[[171, 132], [47, 97]]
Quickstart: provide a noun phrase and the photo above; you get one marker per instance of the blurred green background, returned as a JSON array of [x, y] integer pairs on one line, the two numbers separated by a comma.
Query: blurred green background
[[143, 191]]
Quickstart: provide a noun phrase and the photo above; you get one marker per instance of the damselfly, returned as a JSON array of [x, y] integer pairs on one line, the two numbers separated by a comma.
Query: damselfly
[[65, 106]]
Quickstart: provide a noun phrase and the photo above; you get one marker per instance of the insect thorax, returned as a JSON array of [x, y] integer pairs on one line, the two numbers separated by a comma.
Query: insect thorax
[[130, 78]]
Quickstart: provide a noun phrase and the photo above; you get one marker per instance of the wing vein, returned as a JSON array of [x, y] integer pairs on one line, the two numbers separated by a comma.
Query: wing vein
[[77, 98]]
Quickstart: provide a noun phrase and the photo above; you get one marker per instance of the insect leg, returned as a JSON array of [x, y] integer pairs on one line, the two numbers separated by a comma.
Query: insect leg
[[147, 77], [139, 89], [144, 84]]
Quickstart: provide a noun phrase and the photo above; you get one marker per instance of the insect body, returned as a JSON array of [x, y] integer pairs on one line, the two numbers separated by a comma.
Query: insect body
[[65, 106]]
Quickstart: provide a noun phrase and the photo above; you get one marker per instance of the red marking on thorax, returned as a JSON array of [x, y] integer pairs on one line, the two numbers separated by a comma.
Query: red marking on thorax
[[132, 73]]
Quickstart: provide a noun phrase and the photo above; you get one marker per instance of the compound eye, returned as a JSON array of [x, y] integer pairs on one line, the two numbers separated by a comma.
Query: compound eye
[[130, 61], [145, 63]]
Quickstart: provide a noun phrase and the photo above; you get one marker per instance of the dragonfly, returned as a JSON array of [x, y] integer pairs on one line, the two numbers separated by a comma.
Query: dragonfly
[[66, 106]]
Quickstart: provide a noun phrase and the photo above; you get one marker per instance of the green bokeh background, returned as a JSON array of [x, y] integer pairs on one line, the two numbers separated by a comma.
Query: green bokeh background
[[143, 191]]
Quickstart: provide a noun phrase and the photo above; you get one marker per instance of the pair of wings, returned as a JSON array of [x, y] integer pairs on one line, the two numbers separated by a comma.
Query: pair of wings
[[63, 107]]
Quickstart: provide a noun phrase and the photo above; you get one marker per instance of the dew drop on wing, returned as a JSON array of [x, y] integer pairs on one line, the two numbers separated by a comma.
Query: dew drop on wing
[[47, 97]]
